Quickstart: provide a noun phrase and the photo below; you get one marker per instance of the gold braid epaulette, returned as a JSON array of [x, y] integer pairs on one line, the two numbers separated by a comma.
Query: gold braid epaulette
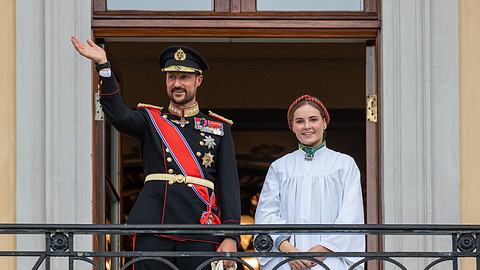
[[143, 105], [221, 118]]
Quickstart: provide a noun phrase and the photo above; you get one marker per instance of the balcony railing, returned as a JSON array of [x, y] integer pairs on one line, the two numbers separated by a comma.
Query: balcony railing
[[60, 242]]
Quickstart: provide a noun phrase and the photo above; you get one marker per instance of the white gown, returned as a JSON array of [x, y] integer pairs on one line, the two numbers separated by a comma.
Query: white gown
[[325, 190]]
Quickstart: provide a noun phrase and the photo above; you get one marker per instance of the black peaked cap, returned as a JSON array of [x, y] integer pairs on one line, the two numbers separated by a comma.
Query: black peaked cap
[[182, 59]]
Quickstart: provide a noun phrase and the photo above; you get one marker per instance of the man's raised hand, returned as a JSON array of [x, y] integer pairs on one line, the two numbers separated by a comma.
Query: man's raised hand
[[90, 50]]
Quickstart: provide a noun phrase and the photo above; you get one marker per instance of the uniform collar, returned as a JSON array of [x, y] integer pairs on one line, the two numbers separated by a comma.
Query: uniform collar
[[184, 112]]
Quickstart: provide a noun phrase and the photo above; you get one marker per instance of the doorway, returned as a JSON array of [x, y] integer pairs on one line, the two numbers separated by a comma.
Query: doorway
[[251, 81]]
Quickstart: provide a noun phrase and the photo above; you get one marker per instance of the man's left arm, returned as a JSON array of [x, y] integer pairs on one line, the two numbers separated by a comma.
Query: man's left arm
[[228, 188]]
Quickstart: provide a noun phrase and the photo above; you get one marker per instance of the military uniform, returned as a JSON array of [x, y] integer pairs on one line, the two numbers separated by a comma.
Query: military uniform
[[168, 201]]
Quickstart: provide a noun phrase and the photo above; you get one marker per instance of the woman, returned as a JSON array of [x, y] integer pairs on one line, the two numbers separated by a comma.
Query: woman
[[312, 185]]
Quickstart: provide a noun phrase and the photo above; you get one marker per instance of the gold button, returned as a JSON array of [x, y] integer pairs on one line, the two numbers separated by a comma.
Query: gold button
[[170, 170], [202, 143], [198, 154], [165, 116], [202, 133], [167, 150], [169, 159]]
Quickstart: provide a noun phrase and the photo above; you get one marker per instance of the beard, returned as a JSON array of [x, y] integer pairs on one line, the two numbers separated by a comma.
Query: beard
[[187, 97]]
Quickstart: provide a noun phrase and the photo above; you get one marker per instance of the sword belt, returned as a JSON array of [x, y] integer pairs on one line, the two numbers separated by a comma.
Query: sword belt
[[180, 179]]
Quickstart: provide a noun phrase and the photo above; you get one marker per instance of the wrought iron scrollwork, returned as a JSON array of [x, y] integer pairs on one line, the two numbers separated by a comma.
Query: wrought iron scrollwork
[[263, 242], [318, 262], [466, 242], [240, 263], [59, 242], [158, 259]]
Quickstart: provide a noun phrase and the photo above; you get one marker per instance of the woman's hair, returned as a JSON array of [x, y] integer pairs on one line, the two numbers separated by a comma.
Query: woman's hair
[[310, 100]]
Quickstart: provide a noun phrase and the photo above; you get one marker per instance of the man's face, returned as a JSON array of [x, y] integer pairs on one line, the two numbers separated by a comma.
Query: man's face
[[182, 87]]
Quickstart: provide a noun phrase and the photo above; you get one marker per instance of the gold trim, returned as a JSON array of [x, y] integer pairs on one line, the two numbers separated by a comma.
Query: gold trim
[[180, 179], [177, 68], [184, 112], [144, 105], [221, 118]]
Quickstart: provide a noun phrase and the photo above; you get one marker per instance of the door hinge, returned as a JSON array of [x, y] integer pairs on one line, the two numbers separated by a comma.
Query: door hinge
[[98, 108], [372, 108]]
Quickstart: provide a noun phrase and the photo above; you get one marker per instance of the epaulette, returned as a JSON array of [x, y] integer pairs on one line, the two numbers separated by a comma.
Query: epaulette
[[221, 118], [143, 105]]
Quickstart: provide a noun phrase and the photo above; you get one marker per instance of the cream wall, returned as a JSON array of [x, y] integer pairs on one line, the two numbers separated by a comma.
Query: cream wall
[[469, 113], [7, 122]]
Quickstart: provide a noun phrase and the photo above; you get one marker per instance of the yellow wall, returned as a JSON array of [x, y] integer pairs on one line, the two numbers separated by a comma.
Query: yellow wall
[[469, 113], [7, 122]]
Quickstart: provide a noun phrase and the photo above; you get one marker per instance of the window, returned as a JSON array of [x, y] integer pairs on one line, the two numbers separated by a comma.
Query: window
[[224, 7], [156, 5], [310, 5]]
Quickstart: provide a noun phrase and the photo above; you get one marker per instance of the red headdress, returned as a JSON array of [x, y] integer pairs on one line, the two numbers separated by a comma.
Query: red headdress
[[293, 108]]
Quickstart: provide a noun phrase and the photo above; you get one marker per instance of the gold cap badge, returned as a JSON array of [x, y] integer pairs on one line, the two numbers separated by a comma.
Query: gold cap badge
[[180, 55]]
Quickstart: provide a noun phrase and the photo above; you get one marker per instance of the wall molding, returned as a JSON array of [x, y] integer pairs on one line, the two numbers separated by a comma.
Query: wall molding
[[54, 119], [420, 130]]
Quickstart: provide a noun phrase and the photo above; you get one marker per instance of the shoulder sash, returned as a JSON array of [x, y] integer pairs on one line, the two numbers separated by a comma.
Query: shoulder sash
[[183, 156]]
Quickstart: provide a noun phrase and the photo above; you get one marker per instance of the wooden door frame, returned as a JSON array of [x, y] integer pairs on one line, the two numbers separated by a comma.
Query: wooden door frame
[[364, 30], [372, 135], [362, 25]]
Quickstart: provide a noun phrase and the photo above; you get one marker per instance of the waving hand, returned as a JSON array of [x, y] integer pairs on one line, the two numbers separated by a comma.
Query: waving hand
[[90, 50]]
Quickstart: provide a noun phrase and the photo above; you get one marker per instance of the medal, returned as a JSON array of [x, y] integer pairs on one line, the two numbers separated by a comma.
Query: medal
[[207, 160], [209, 126], [182, 122], [209, 142]]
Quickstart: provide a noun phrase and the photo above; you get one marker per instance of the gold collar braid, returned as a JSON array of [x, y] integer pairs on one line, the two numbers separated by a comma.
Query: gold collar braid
[[184, 112]]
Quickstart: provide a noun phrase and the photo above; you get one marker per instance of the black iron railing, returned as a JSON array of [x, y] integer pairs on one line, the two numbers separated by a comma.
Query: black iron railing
[[60, 242]]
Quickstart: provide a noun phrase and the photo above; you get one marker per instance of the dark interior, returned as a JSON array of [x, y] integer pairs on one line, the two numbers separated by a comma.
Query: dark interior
[[252, 82]]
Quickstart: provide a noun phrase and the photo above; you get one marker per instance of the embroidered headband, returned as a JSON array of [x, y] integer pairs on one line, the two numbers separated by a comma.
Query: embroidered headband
[[307, 98]]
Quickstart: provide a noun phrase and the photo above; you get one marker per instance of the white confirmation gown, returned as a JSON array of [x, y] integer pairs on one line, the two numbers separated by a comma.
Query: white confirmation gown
[[325, 190]]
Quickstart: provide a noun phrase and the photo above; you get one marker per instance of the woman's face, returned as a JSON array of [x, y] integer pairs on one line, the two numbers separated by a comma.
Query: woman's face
[[308, 125]]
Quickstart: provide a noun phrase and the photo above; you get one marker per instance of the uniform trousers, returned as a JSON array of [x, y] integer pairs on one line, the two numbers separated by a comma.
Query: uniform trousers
[[156, 243]]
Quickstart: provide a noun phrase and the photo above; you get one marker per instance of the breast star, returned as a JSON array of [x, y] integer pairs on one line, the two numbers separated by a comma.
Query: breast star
[[209, 142], [207, 160]]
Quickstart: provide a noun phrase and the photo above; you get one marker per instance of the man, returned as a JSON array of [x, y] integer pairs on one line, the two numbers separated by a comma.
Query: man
[[187, 157]]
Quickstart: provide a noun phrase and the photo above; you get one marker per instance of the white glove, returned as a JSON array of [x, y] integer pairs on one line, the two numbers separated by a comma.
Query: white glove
[[218, 265]]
